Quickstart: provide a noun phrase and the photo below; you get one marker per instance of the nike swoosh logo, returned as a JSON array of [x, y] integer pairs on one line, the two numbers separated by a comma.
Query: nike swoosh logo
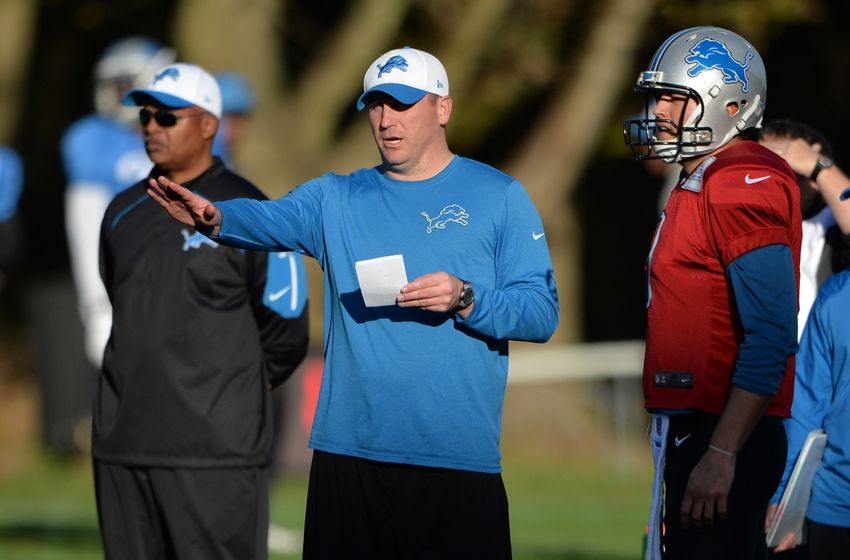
[[753, 180], [537, 236], [680, 440], [279, 294]]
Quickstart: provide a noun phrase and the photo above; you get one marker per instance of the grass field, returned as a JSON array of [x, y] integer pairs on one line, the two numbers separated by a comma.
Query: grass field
[[558, 511], [571, 497]]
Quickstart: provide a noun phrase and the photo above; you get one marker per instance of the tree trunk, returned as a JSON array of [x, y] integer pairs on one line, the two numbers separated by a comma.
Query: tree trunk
[[550, 161], [17, 28]]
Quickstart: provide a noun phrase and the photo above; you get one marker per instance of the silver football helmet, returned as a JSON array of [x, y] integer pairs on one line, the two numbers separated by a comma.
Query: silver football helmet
[[125, 64], [718, 69]]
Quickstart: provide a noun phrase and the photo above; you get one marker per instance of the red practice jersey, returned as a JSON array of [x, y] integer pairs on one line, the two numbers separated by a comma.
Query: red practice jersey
[[740, 199]]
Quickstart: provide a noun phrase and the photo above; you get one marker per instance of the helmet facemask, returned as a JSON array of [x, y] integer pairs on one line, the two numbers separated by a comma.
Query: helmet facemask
[[645, 136]]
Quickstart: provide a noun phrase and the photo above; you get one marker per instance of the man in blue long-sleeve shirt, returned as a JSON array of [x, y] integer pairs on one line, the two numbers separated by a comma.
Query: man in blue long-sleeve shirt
[[406, 433]]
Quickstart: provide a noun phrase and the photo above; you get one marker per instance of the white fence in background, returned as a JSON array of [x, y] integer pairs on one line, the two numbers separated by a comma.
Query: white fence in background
[[614, 368], [576, 362]]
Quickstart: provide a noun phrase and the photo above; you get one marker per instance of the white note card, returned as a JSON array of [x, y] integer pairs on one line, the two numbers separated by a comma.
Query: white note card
[[381, 279]]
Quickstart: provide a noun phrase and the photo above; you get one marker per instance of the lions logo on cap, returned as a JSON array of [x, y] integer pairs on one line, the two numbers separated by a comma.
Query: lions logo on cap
[[396, 61], [710, 53], [169, 72]]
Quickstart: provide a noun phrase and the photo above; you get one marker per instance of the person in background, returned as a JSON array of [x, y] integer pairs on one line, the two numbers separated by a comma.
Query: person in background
[[11, 186], [825, 251], [103, 154], [822, 401], [826, 221], [721, 303], [11, 247], [237, 106], [406, 460], [201, 333]]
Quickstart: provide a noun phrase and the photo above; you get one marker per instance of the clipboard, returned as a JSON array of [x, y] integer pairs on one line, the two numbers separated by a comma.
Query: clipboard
[[791, 511]]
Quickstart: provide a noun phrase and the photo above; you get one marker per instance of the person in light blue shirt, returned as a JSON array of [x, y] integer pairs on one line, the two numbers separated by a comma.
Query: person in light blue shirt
[[406, 433], [822, 401]]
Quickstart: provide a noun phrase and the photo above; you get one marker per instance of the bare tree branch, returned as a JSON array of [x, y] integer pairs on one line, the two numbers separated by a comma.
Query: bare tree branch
[[550, 160], [470, 38], [326, 87], [232, 35]]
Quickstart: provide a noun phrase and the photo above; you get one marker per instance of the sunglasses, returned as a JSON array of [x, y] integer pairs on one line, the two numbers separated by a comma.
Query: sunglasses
[[163, 118]]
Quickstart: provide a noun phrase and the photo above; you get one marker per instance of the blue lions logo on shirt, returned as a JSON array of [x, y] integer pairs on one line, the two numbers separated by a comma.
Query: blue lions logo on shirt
[[709, 54], [451, 213], [396, 61], [169, 72]]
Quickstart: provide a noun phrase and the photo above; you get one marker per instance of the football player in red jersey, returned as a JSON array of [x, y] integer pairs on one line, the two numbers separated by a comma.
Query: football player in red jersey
[[723, 275]]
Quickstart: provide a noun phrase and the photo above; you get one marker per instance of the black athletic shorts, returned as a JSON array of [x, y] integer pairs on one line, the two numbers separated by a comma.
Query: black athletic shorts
[[359, 509], [758, 469]]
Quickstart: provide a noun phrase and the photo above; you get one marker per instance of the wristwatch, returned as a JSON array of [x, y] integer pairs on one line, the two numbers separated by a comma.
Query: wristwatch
[[822, 163], [467, 296]]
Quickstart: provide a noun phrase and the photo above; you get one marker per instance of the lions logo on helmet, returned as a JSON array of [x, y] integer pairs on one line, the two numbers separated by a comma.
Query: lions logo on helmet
[[709, 54], [704, 65]]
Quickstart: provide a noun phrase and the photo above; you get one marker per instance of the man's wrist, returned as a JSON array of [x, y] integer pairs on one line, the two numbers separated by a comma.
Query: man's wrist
[[722, 451], [467, 295], [823, 162]]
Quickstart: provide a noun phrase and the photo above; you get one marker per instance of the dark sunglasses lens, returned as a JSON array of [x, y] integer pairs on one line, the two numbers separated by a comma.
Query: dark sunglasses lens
[[162, 118]]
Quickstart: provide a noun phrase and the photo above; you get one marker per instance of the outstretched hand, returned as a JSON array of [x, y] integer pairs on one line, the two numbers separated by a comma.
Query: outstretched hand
[[185, 206]]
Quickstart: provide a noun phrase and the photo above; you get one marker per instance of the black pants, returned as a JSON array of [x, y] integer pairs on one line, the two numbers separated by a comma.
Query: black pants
[[358, 509], [828, 542], [182, 514], [758, 469]]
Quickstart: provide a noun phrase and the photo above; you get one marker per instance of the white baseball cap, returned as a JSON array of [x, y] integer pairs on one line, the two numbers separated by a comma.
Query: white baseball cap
[[405, 74], [178, 86]]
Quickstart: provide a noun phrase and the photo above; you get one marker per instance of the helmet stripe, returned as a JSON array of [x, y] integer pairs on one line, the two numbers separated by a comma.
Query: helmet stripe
[[659, 54]]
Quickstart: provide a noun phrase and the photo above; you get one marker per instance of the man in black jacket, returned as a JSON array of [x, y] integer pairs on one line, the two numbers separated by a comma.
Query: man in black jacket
[[201, 333]]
